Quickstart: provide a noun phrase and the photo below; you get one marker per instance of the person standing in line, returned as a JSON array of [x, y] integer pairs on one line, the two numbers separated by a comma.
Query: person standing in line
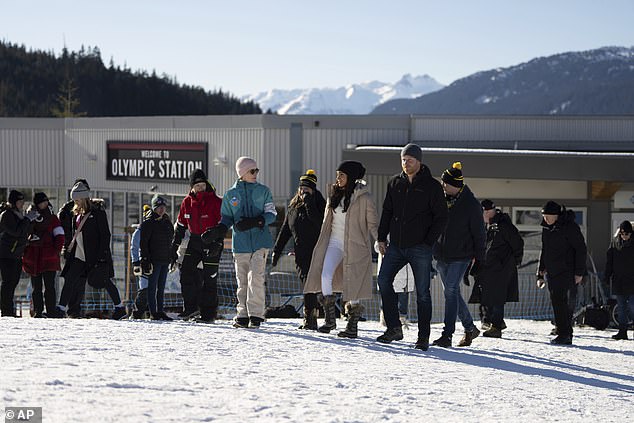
[[414, 215], [562, 263], [199, 212], [497, 274], [140, 301], [303, 223], [65, 216], [248, 208], [156, 237], [461, 243], [42, 257], [619, 269], [14, 229], [342, 258], [88, 255]]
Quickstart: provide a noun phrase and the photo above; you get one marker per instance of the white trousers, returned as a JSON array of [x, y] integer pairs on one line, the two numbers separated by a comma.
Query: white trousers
[[250, 270], [334, 255]]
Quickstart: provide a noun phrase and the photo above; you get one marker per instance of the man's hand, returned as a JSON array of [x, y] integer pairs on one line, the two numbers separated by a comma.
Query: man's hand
[[250, 222], [578, 279], [146, 267], [381, 247], [541, 283]]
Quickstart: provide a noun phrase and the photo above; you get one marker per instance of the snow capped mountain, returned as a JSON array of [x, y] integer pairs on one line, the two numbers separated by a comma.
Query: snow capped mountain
[[587, 82], [352, 99]]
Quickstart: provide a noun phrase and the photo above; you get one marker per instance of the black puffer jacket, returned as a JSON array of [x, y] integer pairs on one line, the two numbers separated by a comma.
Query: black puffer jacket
[[563, 252], [619, 268], [156, 238], [303, 224], [65, 216], [413, 213], [14, 230], [497, 275], [464, 236]]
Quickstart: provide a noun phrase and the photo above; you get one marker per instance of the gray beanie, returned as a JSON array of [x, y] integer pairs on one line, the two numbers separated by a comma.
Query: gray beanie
[[79, 190], [412, 150]]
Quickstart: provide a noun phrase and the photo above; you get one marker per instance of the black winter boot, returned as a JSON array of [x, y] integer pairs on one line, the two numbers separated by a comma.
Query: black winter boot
[[391, 334], [241, 322], [354, 314], [310, 319], [622, 334], [330, 311]]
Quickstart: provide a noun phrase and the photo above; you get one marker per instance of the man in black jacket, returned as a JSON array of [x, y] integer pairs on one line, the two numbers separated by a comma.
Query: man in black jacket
[[462, 242], [496, 279], [414, 214], [563, 264]]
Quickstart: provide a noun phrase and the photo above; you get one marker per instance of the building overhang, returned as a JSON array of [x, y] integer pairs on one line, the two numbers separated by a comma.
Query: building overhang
[[507, 164]]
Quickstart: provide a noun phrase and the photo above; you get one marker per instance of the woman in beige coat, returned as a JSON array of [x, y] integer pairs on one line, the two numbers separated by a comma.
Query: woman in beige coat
[[342, 258]]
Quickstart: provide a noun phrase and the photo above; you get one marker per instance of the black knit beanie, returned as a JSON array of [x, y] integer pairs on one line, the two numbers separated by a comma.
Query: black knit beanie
[[197, 176], [453, 175], [309, 179], [15, 196], [39, 197], [354, 170]]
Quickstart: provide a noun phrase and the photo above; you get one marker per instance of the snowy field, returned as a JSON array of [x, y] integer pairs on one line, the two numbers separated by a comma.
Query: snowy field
[[138, 371]]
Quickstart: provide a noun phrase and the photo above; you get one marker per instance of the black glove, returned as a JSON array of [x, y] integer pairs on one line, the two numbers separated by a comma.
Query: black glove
[[212, 234], [146, 267], [275, 258], [250, 222], [465, 279], [214, 249], [136, 268]]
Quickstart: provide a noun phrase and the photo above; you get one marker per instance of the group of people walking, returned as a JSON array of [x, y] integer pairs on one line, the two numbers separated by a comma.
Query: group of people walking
[[421, 220]]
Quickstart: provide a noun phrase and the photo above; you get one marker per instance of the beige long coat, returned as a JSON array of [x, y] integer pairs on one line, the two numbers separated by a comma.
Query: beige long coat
[[353, 277]]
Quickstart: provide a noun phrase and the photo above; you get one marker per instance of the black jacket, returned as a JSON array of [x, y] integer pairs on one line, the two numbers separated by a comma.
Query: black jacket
[[497, 274], [413, 213], [65, 216], [14, 231], [96, 235], [464, 236], [303, 224], [563, 252], [619, 268], [157, 234]]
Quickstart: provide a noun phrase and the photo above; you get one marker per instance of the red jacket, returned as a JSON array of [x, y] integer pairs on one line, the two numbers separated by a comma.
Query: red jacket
[[200, 212], [45, 244]]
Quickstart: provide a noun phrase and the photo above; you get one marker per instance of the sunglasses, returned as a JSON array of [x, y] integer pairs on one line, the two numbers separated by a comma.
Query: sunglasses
[[254, 171]]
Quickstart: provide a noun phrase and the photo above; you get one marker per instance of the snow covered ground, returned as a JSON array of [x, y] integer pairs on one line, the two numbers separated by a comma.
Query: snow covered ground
[[137, 371]]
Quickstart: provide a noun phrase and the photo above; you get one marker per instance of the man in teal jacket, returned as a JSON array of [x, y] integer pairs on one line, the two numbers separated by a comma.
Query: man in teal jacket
[[248, 207]]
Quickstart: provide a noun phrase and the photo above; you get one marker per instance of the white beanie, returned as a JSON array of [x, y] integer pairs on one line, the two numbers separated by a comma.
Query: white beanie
[[244, 164], [79, 190]]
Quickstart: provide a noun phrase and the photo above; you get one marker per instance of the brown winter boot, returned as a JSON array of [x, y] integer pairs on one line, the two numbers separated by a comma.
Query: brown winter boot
[[354, 314], [328, 302], [310, 319]]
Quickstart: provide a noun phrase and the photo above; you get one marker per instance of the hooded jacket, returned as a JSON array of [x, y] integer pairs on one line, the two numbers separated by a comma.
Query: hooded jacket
[[157, 233], [413, 213], [245, 199], [564, 251], [45, 243]]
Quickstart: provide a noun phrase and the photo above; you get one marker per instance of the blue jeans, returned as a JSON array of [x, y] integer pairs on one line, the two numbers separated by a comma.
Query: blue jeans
[[156, 287], [419, 258], [403, 303], [496, 315], [625, 310], [451, 274]]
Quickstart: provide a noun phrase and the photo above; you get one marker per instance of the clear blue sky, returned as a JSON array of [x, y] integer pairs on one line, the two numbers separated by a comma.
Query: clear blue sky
[[251, 46]]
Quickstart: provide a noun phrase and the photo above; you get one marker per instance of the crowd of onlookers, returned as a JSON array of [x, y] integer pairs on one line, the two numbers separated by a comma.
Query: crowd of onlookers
[[421, 219]]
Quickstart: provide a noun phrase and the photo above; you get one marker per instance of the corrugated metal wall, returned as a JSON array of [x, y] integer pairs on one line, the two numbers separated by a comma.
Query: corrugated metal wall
[[522, 128], [322, 148], [31, 157], [273, 160]]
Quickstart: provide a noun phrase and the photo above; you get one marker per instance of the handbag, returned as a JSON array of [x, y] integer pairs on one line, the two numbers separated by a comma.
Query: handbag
[[99, 275]]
